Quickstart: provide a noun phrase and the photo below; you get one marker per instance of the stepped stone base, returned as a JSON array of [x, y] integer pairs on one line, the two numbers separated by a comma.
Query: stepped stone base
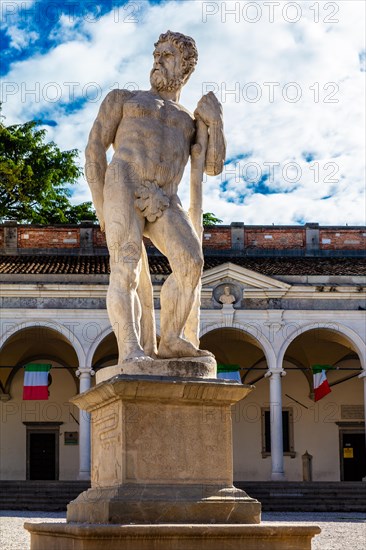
[[164, 504], [61, 536], [162, 469]]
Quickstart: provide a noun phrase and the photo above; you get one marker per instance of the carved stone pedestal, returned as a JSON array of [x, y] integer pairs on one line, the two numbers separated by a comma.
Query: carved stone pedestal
[[162, 474], [161, 453]]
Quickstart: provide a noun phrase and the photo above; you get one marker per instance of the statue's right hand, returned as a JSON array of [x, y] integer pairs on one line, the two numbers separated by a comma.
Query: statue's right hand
[[209, 109]]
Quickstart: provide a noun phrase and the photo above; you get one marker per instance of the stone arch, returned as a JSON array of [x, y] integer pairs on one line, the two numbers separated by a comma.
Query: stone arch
[[37, 342], [105, 352], [350, 335], [43, 324], [93, 348], [228, 343], [253, 331]]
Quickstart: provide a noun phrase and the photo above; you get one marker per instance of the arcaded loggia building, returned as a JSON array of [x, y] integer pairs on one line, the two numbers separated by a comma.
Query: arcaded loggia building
[[277, 301]]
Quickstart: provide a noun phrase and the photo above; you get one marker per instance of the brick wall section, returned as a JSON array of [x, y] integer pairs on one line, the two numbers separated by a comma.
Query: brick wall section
[[214, 237], [217, 237], [272, 237], [344, 239], [99, 239], [48, 237]]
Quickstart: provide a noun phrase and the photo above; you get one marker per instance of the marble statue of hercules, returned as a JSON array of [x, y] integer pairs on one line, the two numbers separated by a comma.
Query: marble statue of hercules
[[135, 195]]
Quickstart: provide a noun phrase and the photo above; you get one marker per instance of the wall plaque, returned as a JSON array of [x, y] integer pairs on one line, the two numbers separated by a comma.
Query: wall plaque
[[348, 452], [71, 438], [349, 412]]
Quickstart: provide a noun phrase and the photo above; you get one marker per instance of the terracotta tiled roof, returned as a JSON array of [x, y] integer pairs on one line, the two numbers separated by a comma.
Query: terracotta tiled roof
[[295, 265], [99, 265], [54, 265]]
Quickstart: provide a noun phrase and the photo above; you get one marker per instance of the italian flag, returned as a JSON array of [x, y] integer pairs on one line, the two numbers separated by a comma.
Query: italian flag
[[321, 386], [228, 372], [36, 382]]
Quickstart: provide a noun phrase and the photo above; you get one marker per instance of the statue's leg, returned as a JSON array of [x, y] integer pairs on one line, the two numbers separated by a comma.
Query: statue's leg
[[146, 297], [124, 229], [175, 237]]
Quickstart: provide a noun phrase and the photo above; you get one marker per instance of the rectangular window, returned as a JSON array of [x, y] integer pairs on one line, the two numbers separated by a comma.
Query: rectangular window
[[287, 433]]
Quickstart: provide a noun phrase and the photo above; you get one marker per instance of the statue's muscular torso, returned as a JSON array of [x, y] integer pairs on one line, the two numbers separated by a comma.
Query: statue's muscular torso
[[153, 139]]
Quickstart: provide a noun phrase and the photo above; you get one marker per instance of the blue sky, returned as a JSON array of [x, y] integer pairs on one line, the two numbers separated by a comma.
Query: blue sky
[[290, 76]]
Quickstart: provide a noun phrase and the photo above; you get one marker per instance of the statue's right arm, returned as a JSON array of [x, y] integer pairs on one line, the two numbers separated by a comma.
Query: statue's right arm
[[101, 136]]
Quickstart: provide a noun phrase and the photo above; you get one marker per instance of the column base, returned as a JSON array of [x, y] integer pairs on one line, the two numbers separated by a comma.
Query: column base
[[278, 476], [58, 536], [84, 476]]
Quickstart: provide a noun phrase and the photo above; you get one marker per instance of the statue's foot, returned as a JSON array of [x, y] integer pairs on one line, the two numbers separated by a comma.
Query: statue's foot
[[137, 356], [180, 348]]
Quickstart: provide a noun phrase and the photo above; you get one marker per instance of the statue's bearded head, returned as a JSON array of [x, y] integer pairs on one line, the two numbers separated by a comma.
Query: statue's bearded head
[[175, 58]]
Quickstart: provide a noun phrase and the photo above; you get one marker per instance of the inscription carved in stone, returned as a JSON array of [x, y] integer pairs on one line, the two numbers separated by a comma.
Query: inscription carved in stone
[[107, 454]]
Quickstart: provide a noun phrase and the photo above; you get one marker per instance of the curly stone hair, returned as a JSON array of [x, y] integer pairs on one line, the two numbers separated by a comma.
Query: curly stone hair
[[187, 48]]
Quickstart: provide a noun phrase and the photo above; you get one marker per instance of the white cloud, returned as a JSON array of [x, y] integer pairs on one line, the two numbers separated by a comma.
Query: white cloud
[[322, 59], [21, 38]]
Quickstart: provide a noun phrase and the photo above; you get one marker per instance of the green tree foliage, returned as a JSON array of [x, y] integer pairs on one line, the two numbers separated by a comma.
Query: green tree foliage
[[35, 177], [210, 219]]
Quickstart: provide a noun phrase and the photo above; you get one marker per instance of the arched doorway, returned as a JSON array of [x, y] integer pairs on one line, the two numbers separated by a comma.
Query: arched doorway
[[233, 346], [39, 438], [331, 430]]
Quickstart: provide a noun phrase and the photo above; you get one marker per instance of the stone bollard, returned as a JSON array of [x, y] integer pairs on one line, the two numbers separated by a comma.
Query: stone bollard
[[307, 473]]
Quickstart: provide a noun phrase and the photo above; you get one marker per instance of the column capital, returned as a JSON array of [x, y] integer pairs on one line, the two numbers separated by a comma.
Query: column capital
[[82, 371], [275, 371]]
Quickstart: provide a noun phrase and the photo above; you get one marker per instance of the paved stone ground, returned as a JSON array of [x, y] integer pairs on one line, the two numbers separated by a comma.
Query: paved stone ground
[[340, 531]]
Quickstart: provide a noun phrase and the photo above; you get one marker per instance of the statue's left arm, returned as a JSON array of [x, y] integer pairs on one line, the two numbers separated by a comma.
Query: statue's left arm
[[209, 110]]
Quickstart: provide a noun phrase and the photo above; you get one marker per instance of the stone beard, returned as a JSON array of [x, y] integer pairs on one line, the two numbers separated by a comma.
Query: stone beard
[[159, 79]]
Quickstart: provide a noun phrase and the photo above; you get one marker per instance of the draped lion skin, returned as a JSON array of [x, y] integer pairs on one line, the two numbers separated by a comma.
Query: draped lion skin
[[136, 195]]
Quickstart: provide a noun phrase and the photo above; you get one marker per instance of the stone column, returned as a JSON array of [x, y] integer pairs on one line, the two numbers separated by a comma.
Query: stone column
[[275, 392], [84, 374]]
